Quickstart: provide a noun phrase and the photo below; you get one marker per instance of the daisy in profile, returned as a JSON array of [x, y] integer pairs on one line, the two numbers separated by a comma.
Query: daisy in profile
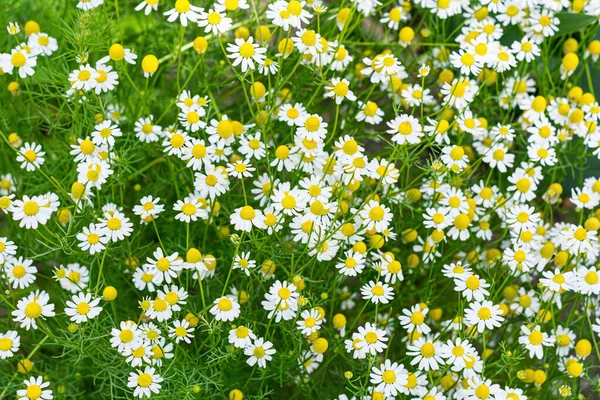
[[82, 307], [144, 382], [225, 309], [184, 11], [246, 53], [259, 352], [31, 308], [377, 292], [214, 21], [35, 388], [20, 272], [9, 344]]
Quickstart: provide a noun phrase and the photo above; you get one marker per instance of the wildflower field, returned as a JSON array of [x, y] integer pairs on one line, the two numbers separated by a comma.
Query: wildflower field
[[300, 199]]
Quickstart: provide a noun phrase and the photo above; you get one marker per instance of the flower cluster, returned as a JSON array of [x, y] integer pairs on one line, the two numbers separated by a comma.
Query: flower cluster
[[343, 200]]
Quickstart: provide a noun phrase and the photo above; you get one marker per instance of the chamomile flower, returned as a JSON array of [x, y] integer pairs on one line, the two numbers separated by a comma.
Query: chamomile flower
[[184, 11], [106, 78], [145, 382], [148, 6], [190, 209], [8, 249], [35, 388], [534, 340], [31, 211], [472, 287], [426, 354], [310, 322], [116, 226], [82, 307], [181, 331], [405, 129], [414, 319], [18, 59], [245, 217], [377, 292], [9, 344], [259, 352], [339, 89], [241, 337], [214, 21], [225, 309], [246, 53], [484, 315], [389, 378], [212, 183], [166, 267], [146, 131], [20, 272], [281, 301], [31, 308], [41, 44], [369, 112], [31, 156], [92, 239]]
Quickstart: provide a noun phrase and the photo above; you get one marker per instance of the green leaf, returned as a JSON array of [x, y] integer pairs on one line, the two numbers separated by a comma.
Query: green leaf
[[570, 22]]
